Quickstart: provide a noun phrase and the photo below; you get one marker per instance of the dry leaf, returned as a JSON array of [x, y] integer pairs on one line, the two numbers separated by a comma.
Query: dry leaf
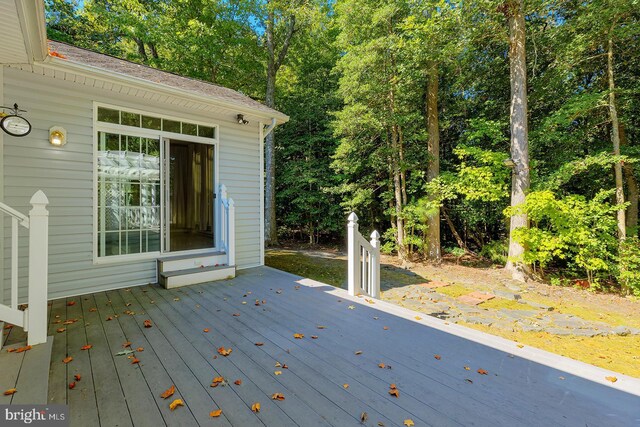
[[408, 423], [352, 307], [321, 327], [277, 365], [207, 330], [140, 349], [70, 303], [109, 318], [358, 353], [612, 379], [8, 326], [255, 407], [216, 413], [23, 349], [67, 359], [394, 392], [224, 351], [520, 346], [86, 347], [277, 373], [72, 385], [364, 417], [237, 382], [69, 322], [10, 392], [381, 365], [168, 392], [298, 336], [314, 337], [482, 372], [59, 330], [236, 314], [468, 380], [147, 323], [437, 357], [418, 318], [277, 396], [135, 361], [259, 344], [77, 377], [346, 386], [178, 402], [92, 309], [386, 328], [127, 344], [466, 368]]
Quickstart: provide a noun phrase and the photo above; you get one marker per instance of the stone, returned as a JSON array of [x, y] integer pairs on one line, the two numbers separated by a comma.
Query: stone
[[434, 284], [475, 298], [574, 323], [586, 332], [559, 331], [478, 320], [621, 330], [507, 295]]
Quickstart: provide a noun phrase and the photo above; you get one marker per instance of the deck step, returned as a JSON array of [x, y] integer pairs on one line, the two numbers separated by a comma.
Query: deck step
[[193, 276], [190, 261], [27, 371]]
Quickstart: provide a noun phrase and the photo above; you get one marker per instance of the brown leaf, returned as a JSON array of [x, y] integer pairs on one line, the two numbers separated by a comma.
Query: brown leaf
[[408, 423], [23, 349], [135, 361], [140, 349], [147, 323], [466, 368], [437, 357], [259, 344], [70, 303], [216, 381], [255, 407], [178, 402], [215, 413], [277, 396], [358, 353], [77, 377], [67, 359], [345, 386], [237, 382], [168, 392], [298, 336], [612, 379], [10, 392], [393, 386], [207, 330], [72, 385], [314, 337], [386, 328], [321, 327], [482, 372], [59, 330], [364, 417], [92, 309], [277, 373], [127, 344], [381, 365], [236, 314], [69, 321], [8, 326], [109, 318], [394, 392], [468, 380], [86, 347], [224, 351]]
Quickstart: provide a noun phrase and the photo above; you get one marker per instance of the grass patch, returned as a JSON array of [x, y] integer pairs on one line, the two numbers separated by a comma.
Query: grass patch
[[325, 270], [502, 303], [455, 290], [615, 353]]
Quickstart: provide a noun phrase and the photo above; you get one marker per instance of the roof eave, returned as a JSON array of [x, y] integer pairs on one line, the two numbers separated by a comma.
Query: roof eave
[[34, 31], [93, 72]]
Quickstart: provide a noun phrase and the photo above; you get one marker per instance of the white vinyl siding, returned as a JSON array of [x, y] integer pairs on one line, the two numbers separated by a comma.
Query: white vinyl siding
[[66, 176]]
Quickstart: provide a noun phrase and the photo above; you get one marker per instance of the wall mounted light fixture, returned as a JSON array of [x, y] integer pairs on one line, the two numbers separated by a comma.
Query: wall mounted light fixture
[[57, 136], [241, 120]]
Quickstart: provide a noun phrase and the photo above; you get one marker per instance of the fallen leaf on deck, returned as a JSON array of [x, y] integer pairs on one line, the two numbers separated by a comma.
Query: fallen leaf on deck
[[381, 365], [237, 382], [217, 381], [358, 353], [352, 307], [8, 326], [127, 344], [346, 386], [168, 392], [255, 407], [140, 349], [236, 314], [408, 423], [23, 349], [72, 385], [92, 309], [437, 357], [612, 379], [135, 361], [298, 336], [285, 366], [321, 327], [259, 344], [386, 328], [216, 413], [67, 359], [468, 380], [394, 392], [10, 392], [482, 372], [205, 330], [562, 378], [418, 318], [77, 377], [178, 402], [109, 318], [277, 396], [314, 337], [224, 351], [277, 373], [176, 299], [59, 330], [364, 417], [466, 368], [86, 347], [70, 303], [520, 345], [244, 302], [278, 364], [147, 323], [69, 321]]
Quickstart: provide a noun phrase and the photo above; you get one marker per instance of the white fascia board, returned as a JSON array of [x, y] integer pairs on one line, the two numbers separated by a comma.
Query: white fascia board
[[93, 72], [34, 31]]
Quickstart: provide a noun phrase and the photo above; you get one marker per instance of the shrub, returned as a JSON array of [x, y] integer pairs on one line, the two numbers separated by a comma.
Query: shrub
[[629, 275], [496, 250]]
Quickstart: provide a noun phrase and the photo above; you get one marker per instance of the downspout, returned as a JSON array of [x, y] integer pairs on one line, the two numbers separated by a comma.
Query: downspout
[[269, 129]]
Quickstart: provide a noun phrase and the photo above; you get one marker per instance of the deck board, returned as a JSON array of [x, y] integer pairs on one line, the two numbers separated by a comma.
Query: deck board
[[112, 391]]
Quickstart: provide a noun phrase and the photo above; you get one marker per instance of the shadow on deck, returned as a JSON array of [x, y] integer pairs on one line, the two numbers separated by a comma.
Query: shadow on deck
[[329, 380]]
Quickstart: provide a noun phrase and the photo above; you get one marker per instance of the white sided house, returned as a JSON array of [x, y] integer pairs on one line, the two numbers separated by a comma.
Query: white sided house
[[149, 176]]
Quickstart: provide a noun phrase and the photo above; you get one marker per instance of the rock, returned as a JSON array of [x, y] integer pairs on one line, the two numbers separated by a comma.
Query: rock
[[574, 323], [621, 330], [586, 332], [477, 320], [507, 295], [559, 331]]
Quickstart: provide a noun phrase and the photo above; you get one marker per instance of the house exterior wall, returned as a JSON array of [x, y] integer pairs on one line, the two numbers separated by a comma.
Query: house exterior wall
[[66, 176]]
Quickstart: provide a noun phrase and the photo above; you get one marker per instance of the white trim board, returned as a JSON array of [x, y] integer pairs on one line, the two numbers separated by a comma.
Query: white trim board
[[580, 369]]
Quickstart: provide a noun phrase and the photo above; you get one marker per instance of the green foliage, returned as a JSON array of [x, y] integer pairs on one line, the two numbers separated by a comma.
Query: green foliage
[[497, 251], [629, 273], [571, 229]]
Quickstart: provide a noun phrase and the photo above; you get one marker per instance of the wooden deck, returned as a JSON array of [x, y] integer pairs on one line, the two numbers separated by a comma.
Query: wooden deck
[[327, 381]]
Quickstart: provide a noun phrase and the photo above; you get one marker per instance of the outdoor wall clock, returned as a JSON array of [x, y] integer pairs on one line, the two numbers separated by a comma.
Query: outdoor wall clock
[[14, 124]]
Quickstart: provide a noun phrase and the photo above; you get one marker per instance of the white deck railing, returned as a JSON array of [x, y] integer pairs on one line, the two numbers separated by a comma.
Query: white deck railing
[[364, 261], [227, 233], [34, 318]]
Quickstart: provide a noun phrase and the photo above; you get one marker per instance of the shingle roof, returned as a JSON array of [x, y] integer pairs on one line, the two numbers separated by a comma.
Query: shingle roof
[[130, 69]]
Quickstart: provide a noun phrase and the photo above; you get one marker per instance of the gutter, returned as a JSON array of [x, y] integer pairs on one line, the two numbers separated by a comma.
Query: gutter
[[270, 128]]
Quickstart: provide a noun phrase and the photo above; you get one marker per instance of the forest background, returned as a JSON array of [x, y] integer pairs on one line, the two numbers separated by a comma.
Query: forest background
[[503, 129]]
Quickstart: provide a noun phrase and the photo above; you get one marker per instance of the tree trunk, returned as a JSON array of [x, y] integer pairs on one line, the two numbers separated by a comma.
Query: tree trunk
[[519, 133], [615, 139], [154, 51], [633, 189], [397, 191], [453, 229], [141, 49], [433, 171]]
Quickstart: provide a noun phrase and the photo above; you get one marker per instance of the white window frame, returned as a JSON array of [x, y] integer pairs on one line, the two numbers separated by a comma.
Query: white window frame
[[162, 137]]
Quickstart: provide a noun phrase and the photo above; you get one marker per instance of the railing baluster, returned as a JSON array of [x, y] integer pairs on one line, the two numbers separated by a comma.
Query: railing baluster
[[14, 263]]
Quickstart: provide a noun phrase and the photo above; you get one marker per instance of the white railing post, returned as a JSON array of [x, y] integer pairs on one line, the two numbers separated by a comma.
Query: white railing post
[[36, 318], [353, 250], [231, 236], [375, 265]]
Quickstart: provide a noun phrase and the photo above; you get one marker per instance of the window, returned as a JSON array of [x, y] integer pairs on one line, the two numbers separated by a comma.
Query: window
[[126, 118], [128, 192]]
